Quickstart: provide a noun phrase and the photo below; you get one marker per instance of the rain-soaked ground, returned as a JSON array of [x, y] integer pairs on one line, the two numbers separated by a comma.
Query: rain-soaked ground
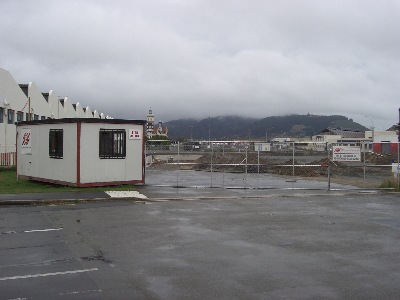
[[203, 179], [294, 245]]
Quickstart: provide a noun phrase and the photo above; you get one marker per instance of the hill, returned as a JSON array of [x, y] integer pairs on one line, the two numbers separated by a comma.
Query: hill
[[233, 127]]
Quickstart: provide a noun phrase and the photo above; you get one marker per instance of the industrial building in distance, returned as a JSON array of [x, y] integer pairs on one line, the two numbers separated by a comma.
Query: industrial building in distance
[[25, 102]]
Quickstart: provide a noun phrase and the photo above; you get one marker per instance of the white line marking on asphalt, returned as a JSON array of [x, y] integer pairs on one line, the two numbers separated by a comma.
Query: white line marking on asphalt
[[48, 274], [33, 230], [81, 292], [43, 230]]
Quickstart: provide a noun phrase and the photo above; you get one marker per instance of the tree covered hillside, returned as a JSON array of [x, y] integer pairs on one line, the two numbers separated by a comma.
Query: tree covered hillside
[[232, 127]]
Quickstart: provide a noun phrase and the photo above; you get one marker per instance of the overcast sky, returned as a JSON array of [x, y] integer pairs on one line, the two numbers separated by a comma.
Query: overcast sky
[[200, 58]]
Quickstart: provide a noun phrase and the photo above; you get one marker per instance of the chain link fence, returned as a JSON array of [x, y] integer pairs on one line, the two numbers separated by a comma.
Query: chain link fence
[[264, 166]]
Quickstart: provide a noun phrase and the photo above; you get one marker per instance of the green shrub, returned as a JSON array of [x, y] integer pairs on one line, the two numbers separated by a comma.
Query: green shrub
[[390, 183]]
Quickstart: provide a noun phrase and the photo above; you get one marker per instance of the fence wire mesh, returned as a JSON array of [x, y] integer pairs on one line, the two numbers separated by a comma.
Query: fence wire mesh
[[290, 166]]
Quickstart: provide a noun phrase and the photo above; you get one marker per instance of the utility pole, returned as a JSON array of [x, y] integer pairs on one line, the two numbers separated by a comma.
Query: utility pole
[[209, 131], [398, 128], [372, 128], [29, 109], [266, 133]]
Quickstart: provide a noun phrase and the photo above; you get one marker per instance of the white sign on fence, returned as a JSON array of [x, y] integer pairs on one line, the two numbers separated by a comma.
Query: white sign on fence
[[346, 153]]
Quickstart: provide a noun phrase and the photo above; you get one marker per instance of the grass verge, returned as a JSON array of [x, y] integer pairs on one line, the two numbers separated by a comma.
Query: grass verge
[[390, 184], [9, 185]]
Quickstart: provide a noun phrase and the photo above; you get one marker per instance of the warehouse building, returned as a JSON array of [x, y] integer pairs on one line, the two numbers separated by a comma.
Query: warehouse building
[[24, 102]]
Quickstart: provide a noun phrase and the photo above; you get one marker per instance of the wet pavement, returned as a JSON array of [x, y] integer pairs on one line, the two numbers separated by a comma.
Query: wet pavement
[[199, 179], [296, 245], [194, 241], [188, 185], [43, 198]]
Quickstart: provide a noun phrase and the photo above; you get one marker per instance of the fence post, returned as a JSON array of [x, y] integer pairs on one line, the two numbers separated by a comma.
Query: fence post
[[329, 167], [293, 163], [211, 164], [179, 166], [245, 176], [258, 165], [223, 165], [364, 164]]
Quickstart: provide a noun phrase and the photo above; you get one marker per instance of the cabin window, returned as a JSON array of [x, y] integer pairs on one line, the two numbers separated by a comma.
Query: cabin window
[[112, 143], [10, 116], [20, 116], [56, 143]]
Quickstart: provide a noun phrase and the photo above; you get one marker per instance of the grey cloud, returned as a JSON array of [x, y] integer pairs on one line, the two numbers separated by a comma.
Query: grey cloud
[[202, 58]]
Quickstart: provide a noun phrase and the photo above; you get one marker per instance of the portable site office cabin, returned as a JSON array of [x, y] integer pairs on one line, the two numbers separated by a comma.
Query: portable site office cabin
[[81, 152]]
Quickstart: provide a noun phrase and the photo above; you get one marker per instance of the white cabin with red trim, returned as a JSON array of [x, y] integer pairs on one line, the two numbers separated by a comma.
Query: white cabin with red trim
[[82, 152]]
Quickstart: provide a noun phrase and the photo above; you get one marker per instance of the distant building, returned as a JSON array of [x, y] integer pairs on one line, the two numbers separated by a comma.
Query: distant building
[[383, 141], [343, 134], [25, 102], [337, 135], [376, 141], [262, 146], [152, 129], [150, 124]]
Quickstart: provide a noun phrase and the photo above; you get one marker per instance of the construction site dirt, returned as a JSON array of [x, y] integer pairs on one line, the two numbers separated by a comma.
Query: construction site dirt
[[370, 172]]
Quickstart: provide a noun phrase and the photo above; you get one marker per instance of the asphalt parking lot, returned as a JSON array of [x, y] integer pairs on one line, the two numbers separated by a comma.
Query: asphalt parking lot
[[295, 245]]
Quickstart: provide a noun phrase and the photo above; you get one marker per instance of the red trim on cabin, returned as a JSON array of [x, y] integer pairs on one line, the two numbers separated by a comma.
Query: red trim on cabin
[[90, 184], [143, 156], [78, 154], [93, 184]]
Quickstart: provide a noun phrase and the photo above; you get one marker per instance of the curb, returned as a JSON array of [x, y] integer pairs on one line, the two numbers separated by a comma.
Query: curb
[[142, 199], [64, 201]]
